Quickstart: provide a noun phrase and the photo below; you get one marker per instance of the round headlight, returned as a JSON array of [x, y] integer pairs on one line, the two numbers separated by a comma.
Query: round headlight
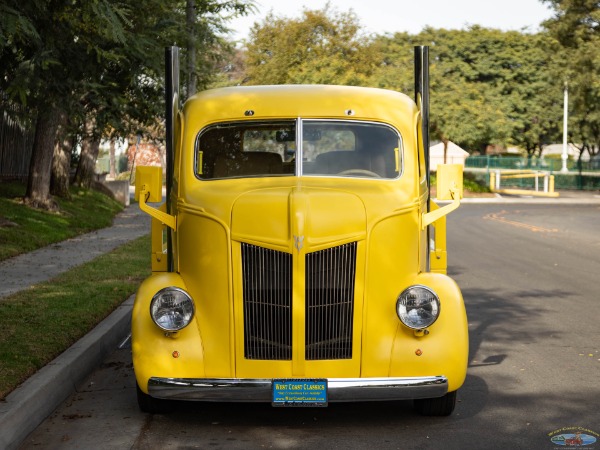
[[418, 307], [172, 309]]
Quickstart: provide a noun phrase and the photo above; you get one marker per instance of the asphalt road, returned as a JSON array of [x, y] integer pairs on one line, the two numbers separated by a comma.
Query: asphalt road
[[530, 277]]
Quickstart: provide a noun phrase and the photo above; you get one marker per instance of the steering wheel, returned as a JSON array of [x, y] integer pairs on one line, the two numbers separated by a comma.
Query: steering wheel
[[366, 172]]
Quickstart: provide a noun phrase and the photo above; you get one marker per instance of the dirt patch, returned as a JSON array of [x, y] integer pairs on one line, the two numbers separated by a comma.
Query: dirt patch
[[5, 223]]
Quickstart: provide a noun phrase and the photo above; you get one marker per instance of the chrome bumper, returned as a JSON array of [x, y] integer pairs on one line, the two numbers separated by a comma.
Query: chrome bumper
[[259, 390]]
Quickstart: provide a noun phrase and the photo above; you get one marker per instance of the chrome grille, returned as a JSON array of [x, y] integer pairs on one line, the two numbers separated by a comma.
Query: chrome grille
[[330, 302], [267, 298]]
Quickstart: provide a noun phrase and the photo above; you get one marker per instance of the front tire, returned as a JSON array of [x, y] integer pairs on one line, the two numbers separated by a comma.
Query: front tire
[[150, 404], [440, 406]]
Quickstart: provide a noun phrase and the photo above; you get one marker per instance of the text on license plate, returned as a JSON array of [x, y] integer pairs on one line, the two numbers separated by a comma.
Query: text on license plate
[[299, 392]]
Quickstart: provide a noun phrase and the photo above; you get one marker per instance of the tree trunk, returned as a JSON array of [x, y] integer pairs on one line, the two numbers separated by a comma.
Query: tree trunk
[[90, 147], [112, 160], [445, 142], [61, 163], [40, 167]]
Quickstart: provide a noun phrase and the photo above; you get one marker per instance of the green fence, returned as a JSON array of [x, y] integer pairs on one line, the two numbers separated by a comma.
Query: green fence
[[580, 176]]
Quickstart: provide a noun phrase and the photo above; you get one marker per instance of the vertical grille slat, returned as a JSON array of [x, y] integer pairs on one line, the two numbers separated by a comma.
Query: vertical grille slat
[[267, 295], [330, 302]]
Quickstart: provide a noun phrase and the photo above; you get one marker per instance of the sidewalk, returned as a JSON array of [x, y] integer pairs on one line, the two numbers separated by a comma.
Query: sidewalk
[[23, 271], [26, 407]]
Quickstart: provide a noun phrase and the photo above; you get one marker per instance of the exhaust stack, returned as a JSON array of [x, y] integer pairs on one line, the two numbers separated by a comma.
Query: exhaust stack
[[422, 98], [171, 112]]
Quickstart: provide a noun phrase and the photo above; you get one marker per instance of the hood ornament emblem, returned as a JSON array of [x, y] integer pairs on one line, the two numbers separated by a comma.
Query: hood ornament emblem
[[298, 242]]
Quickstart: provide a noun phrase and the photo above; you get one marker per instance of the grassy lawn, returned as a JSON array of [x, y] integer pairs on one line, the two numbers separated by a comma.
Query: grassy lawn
[[40, 323], [23, 229]]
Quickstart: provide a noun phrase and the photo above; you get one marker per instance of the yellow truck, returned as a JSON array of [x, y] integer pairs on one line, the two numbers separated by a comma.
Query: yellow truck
[[298, 258]]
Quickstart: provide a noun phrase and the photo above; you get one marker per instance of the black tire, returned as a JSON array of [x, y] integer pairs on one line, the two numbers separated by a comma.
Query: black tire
[[150, 404], [440, 406]]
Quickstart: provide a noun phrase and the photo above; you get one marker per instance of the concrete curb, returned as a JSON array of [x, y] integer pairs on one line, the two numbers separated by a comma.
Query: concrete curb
[[28, 405]]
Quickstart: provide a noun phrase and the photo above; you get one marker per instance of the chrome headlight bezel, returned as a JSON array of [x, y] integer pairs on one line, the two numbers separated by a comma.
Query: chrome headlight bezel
[[174, 317], [418, 307]]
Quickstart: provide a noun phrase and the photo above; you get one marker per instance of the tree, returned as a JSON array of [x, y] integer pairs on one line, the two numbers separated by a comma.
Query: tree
[[40, 169], [535, 100], [202, 39], [487, 85], [576, 30], [38, 68], [523, 79], [321, 47], [97, 61]]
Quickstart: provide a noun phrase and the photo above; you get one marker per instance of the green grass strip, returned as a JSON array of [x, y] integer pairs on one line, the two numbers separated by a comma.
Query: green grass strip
[[23, 229], [40, 323]]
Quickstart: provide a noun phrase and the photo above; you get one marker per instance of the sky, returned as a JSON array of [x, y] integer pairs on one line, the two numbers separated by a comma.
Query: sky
[[389, 16]]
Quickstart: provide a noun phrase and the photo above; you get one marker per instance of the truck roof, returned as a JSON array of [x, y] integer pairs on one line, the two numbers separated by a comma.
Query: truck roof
[[307, 101]]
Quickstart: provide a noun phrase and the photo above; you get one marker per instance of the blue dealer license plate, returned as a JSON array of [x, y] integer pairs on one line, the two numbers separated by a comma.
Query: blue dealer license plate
[[299, 392]]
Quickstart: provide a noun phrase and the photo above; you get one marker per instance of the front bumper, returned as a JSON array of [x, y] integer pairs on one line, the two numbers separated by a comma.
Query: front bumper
[[259, 389]]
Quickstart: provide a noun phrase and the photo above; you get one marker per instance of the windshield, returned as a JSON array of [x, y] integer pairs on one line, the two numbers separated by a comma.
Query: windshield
[[327, 148]]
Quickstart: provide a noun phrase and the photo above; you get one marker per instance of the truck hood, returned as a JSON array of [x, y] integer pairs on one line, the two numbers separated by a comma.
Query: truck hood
[[307, 218]]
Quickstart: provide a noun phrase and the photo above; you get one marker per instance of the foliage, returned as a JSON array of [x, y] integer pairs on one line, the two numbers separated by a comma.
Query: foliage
[[99, 61], [204, 47], [42, 322], [576, 31], [322, 47], [471, 184], [536, 99], [487, 86], [103, 57], [23, 229]]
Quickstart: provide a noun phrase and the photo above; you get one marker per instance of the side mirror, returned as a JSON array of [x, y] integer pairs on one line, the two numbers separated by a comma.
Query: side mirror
[[148, 188], [449, 187], [148, 179], [449, 181]]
